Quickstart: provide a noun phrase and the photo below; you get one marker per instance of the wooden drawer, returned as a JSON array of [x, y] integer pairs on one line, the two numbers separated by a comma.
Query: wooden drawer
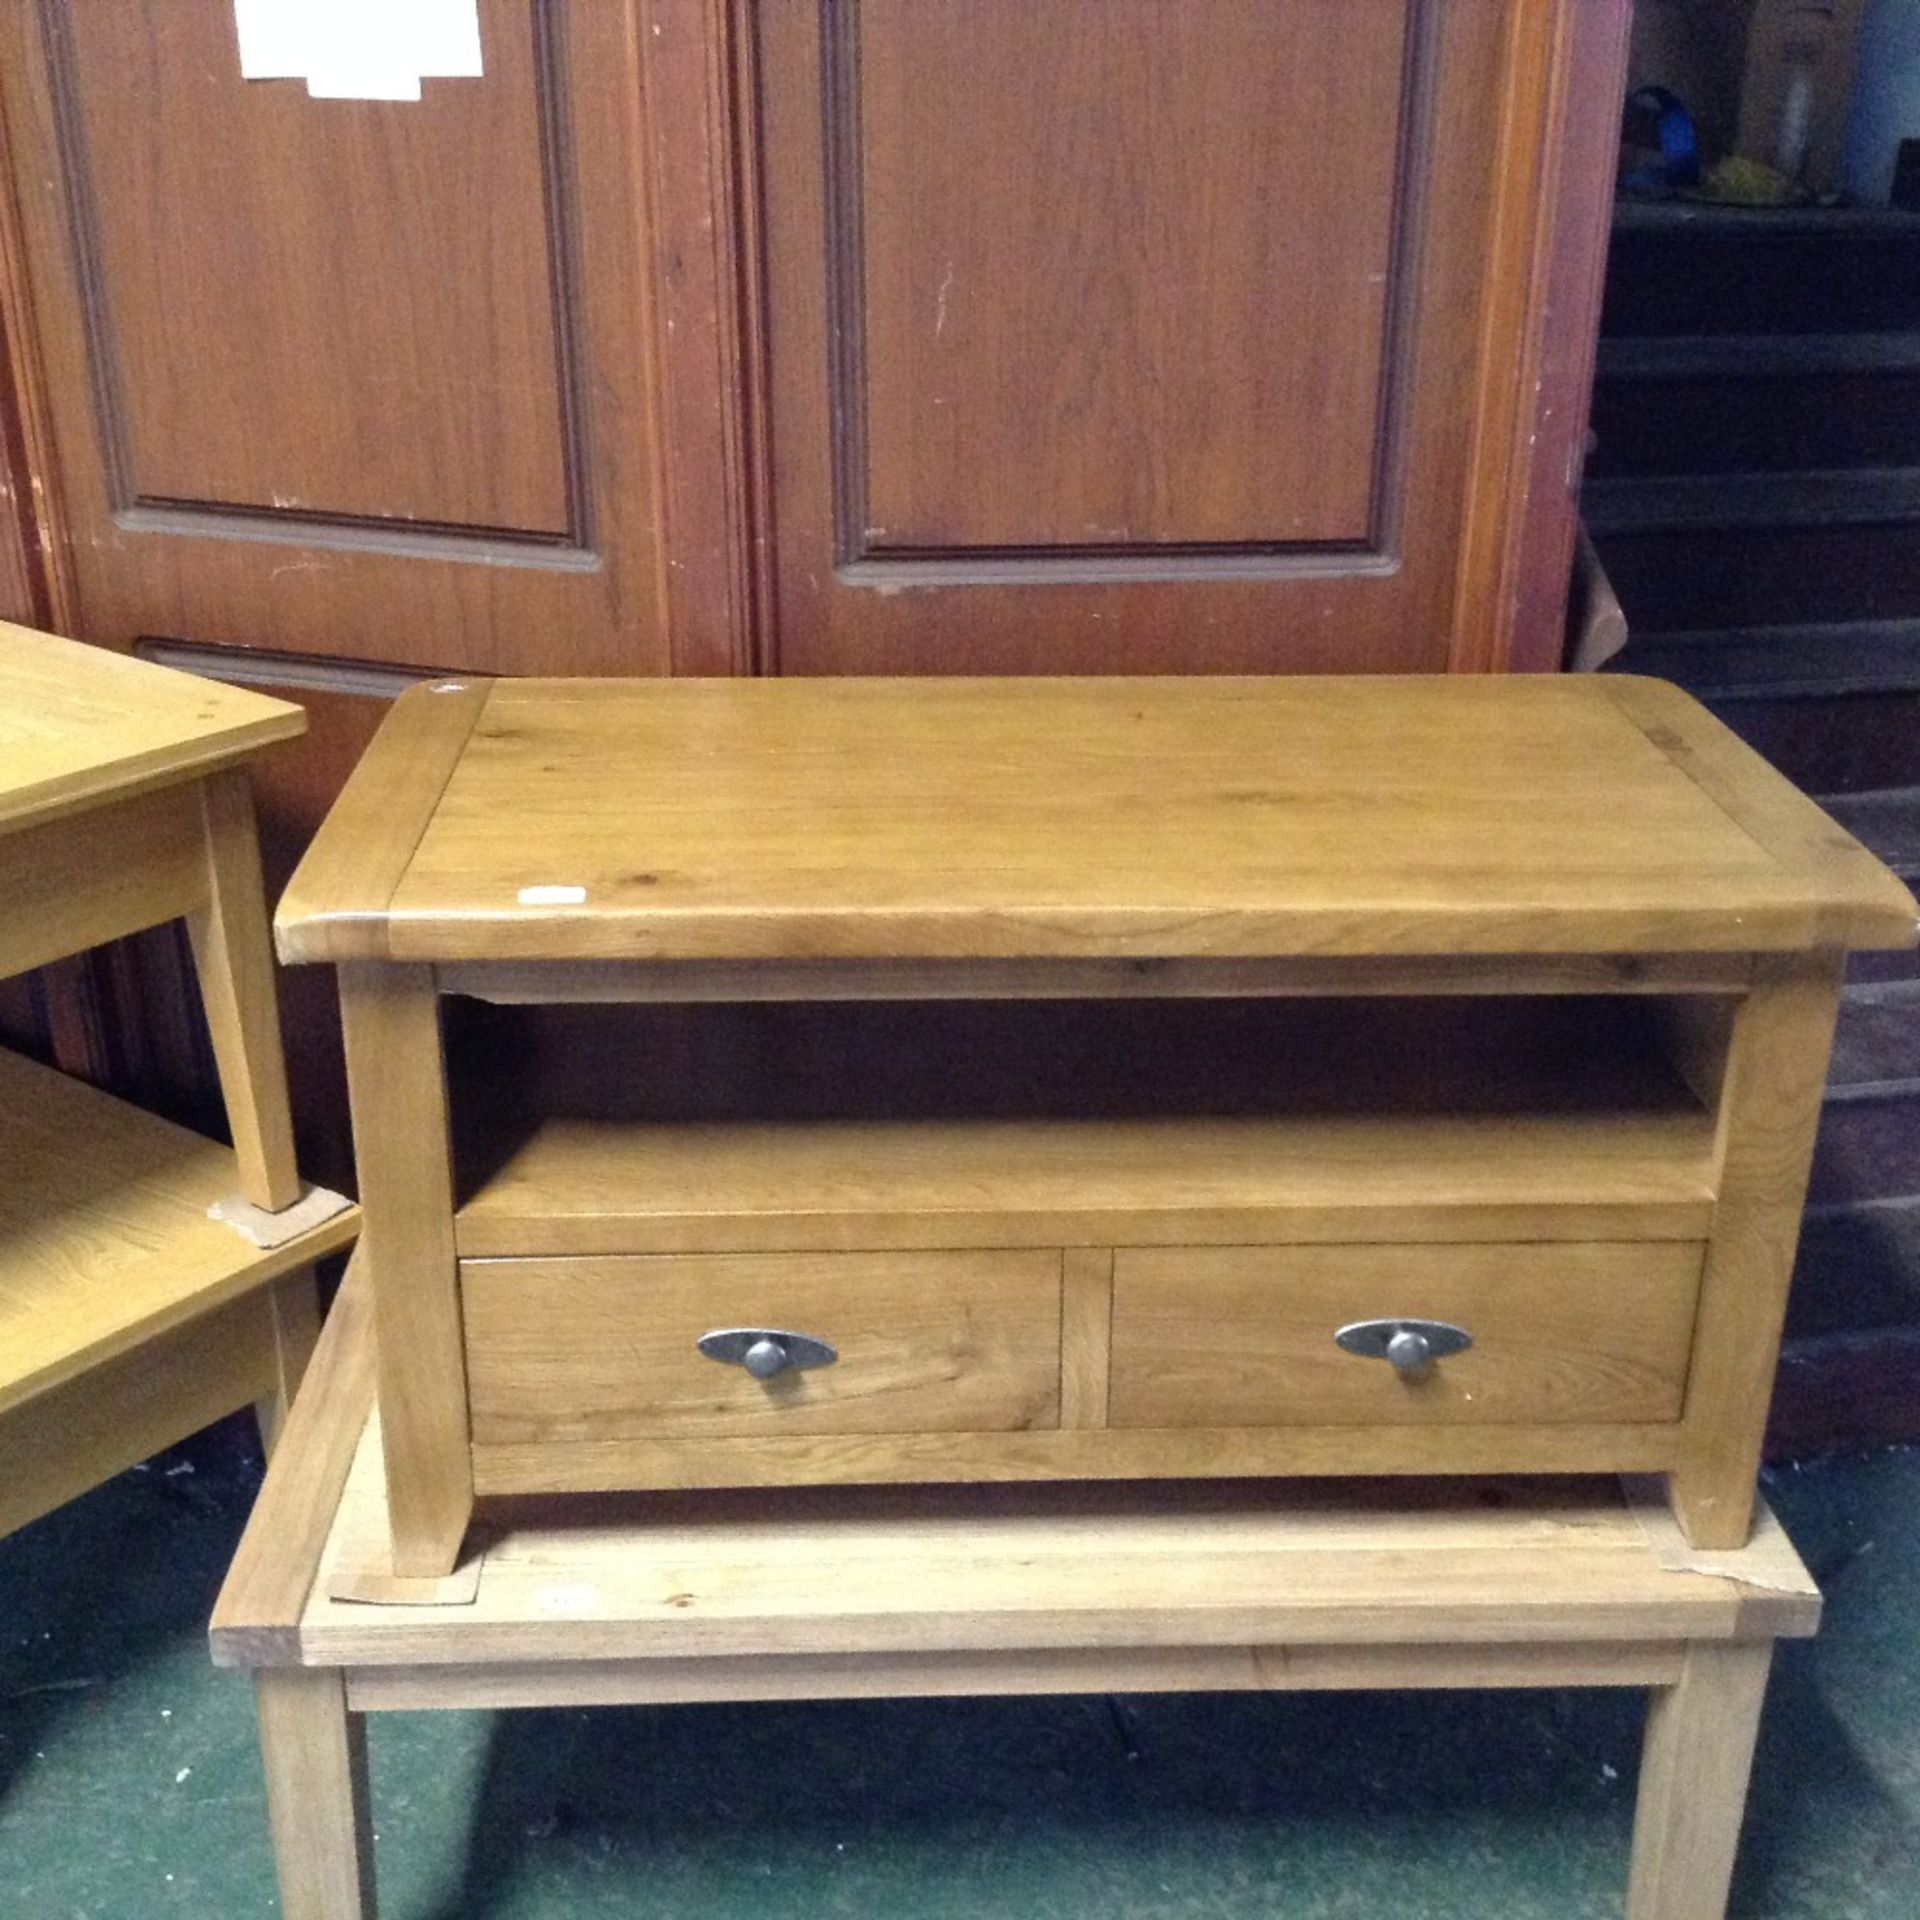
[[1593, 1333], [606, 1348]]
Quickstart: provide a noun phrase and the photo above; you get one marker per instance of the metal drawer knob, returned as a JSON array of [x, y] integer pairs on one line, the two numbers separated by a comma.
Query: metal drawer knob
[[1408, 1346], [766, 1351], [765, 1358]]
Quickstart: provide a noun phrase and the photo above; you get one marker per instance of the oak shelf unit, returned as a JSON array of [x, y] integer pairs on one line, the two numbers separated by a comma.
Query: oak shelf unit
[[637, 1129], [925, 1081]]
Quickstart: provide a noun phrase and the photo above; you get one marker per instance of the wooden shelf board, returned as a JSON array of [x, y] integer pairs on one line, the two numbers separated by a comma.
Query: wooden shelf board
[[872, 1571], [597, 1186], [1078, 819], [104, 1234], [77, 722]]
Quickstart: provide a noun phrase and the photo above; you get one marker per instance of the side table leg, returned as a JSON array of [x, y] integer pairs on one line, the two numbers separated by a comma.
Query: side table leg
[[294, 1302], [1693, 1782], [233, 955], [315, 1752]]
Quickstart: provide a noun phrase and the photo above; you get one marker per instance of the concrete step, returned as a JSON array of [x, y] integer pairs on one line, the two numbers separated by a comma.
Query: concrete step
[[1703, 578], [1826, 742], [1734, 403], [1876, 1046], [1812, 658], [1846, 1392], [1887, 821], [1725, 502], [1868, 1150], [1727, 270], [1858, 1269]]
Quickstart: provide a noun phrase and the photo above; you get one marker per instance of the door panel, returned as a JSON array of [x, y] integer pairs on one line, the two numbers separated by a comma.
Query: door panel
[[1144, 337], [1095, 215], [264, 302], [361, 379]]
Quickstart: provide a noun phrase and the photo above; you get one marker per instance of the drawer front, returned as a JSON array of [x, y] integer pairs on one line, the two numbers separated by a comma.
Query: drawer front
[[1244, 1336], [608, 1348]]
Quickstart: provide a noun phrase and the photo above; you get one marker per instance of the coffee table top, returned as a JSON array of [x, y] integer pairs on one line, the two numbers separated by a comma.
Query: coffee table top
[[857, 820], [79, 724]]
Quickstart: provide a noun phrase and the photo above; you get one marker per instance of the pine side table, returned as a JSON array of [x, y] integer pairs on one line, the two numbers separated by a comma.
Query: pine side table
[[850, 1593], [128, 1316], [1077, 1079]]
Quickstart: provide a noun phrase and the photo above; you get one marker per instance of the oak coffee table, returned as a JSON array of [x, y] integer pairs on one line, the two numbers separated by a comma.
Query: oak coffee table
[[1071, 1080], [864, 1592]]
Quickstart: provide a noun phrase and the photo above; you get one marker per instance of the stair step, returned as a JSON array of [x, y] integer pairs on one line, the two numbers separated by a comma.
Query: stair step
[[1747, 356], [1887, 821], [1876, 1046], [1884, 966], [1695, 579], [1723, 270], [1740, 403], [1721, 502], [1846, 1391], [1816, 657], [1858, 1268], [1826, 742], [1868, 1150]]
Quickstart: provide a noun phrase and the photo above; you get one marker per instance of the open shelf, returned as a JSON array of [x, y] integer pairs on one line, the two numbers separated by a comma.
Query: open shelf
[[1109, 1123], [104, 1235]]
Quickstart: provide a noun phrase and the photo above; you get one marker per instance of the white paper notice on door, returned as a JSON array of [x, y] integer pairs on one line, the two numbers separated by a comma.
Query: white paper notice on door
[[359, 49]]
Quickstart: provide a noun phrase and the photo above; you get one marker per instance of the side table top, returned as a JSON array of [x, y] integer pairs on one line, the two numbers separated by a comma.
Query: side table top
[[78, 723], [1096, 818]]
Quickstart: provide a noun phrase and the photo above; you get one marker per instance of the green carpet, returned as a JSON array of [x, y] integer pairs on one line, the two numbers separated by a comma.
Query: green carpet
[[130, 1787]]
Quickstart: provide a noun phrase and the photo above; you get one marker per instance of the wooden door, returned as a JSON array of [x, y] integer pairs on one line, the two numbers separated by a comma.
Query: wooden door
[[1157, 335]]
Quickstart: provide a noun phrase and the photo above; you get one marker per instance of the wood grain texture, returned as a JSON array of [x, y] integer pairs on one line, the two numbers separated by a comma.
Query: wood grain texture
[[466, 336], [1772, 810], [1693, 1783], [1770, 1108], [365, 380], [690, 982], [256, 1618], [294, 1303], [39, 580], [1244, 1336], [104, 1236], [233, 956], [346, 878], [78, 879], [1137, 1453], [315, 1755], [603, 1187], [1565, 67], [129, 1400], [1020, 1671], [78, 723], [1081, 819], [842, 1572], [391, 1020], [1086, 1335], [1137, 298], [1097, 558], [564, 1350]]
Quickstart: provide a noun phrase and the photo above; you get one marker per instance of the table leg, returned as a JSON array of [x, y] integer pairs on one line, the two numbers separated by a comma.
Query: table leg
[[233, 955], [1693, 1782], [315, 1752], [294, 1302], [397, 1088]]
